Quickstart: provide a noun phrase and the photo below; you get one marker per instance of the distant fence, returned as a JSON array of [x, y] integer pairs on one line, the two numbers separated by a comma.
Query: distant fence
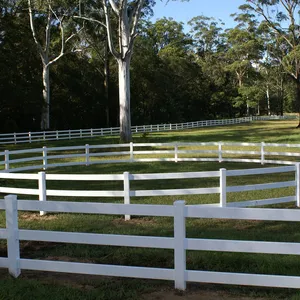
[[179, 243], [30, 137]]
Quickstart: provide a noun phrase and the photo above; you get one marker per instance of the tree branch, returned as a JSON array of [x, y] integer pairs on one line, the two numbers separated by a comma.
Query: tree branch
[[91, 20], [40, 49], [114, 7]]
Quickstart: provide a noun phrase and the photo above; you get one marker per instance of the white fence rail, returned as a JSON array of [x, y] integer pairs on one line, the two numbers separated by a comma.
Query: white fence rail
[[180, 243], [30, 137]]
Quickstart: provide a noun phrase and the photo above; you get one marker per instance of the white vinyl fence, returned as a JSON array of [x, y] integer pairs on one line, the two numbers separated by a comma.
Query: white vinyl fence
[[180, 243], [49, 157], [30, 137], [127, 192]]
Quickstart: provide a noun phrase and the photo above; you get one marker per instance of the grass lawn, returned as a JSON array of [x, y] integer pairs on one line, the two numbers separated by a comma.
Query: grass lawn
[[41, 285]]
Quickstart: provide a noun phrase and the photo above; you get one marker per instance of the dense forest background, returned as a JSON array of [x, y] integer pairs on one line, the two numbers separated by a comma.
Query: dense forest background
[[179, 73]]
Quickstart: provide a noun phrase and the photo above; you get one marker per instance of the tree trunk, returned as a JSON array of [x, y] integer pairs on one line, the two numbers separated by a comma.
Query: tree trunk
[[106, 82], [124, 100], [268, 100], [45, 115], [298, 101], [258, 108]]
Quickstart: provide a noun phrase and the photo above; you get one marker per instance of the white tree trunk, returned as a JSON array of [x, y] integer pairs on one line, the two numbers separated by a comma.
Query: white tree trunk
[[124, 100], [45, 115], [268, 100]]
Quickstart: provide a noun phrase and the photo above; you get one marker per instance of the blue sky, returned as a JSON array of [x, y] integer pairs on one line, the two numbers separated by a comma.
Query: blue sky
[[184, 11]]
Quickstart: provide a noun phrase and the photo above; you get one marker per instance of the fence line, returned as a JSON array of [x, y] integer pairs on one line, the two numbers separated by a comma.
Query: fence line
[[179, 243], [30, 137], [40, 136], [134, 152]]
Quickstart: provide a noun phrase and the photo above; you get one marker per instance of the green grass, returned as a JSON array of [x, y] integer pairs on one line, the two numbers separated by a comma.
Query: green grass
[[70, 286]]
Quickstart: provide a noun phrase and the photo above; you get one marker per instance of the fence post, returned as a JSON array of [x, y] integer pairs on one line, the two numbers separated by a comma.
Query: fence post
[[91, 132], [80, 130], [56, 134], [262, 150], [15, 138], [87, 154], [131, 151], [297, 175], [29, 137], [44, 135], [176, 153], [42, 189], [44, 157], [69, 134], [13, 244], [6, 159], [126, 192], [101, 131], [179, 245], [223, 198], [220, 152]]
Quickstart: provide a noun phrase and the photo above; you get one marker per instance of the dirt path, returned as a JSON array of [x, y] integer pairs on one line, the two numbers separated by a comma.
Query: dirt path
[[201, 295]]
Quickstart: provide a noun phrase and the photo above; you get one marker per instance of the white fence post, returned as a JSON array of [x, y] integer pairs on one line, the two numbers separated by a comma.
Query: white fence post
[[56, 134], [223, 197], [69, 134], [179, 245], [15, 138], [297, 184], [13, 244], [44, 157], [262, 150], [220, 152], [91, 132], [101, 131], [131, 151], [87, 154], [44, 136], [80, 132], [6, 159], [126, 192], [42, 189], [29, 137], [176, 153]]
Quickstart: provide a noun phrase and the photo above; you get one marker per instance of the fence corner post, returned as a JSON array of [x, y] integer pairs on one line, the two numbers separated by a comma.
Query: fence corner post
[[223, 196], [42, 189], [179, 245], [131, 151], [297, 175], [126, 192], [262, 150], [13, 243], [87, 154]]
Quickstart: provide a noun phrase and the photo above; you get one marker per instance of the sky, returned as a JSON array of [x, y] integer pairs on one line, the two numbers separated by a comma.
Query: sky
[[184, 11]]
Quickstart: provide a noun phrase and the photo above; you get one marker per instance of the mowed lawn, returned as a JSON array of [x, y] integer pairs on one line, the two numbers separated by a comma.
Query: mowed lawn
[[44, 285]]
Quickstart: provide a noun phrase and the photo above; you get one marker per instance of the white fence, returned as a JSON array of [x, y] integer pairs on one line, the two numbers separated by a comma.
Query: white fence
[[219, 151], [127, 193], [180, 243], [30, 137], [47, 157]]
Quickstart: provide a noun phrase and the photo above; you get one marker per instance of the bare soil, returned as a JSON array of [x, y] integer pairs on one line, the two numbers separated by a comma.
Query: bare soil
[[199, 295]]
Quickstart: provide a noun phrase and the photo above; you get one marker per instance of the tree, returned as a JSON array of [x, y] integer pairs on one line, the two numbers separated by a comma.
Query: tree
[[55, 17], [280, 18], [244, 52]]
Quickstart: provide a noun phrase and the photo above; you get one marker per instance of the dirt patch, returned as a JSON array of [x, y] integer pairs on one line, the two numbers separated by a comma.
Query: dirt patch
[[35, 217], [200, 295]]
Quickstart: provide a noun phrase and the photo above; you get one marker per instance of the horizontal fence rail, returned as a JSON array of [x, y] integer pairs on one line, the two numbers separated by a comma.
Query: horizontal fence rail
[[179, 243]]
